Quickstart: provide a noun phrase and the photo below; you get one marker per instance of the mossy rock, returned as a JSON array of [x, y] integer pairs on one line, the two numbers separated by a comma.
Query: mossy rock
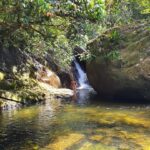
[[21, 89], [128, 75]]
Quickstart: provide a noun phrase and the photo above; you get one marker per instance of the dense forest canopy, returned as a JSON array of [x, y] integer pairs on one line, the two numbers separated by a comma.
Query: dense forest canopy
[[59, 25]]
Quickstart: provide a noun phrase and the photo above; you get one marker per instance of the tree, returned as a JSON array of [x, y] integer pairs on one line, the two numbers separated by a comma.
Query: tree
[[126, 11], [60, 24]]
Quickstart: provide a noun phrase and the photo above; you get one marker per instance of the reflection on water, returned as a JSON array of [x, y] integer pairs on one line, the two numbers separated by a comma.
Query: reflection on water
[[84, 124]]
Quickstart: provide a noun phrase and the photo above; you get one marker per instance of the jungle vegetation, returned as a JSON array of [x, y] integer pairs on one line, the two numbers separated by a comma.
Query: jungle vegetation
[[59, 25]]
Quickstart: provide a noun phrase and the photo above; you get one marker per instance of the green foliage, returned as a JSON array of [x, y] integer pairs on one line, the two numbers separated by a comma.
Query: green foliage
[[115, 36], [143, 6], [126, 11], [19, 22], [40, 25], [87, 56], [88, 9], [112, 55], [79, 33]]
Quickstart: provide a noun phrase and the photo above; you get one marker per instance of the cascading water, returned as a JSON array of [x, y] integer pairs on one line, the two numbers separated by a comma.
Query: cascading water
[[82, 77]]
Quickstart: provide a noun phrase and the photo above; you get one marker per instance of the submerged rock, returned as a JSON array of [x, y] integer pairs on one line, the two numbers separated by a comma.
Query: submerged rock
[[65, 142], [120, 65]]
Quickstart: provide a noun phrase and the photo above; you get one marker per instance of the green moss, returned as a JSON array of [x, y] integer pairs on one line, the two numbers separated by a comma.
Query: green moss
[[22, 89]]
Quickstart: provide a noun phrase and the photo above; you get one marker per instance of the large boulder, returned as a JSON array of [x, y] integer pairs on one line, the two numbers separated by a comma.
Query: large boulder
[[48, 76], [120, 62]]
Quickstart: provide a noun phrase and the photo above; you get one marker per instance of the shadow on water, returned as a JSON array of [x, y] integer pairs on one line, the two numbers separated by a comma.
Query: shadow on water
[[90, 97]]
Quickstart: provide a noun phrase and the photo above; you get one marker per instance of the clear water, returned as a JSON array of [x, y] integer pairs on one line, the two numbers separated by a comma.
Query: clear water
[[83, 124]]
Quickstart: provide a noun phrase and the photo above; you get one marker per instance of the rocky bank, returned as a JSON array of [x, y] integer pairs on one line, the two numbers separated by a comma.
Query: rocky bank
[[28, 79]]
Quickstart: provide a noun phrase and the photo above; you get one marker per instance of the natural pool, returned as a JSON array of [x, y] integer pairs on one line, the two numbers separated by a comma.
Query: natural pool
[[83, 124]]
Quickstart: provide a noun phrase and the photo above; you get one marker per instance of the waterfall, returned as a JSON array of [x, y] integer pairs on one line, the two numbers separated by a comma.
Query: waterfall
[[82, 77]]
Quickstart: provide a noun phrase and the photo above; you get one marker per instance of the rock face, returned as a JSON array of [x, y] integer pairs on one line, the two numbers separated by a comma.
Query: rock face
[[20, 73], [45, 75], [120, 67], [65, 77]]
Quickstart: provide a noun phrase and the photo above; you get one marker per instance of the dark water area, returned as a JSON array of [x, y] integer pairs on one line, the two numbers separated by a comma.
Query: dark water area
[[85, 123]]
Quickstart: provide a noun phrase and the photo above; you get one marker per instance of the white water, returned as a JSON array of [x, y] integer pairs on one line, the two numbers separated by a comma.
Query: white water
[[82, 77]]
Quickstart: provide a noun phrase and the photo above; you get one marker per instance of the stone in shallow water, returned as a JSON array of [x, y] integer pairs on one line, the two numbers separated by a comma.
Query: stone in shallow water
[[86, 146], [96, 137], [65, 142], [90, 146], [124, 147]]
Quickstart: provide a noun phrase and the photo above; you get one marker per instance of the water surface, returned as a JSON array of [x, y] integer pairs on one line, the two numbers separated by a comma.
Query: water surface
[[83, 124]]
